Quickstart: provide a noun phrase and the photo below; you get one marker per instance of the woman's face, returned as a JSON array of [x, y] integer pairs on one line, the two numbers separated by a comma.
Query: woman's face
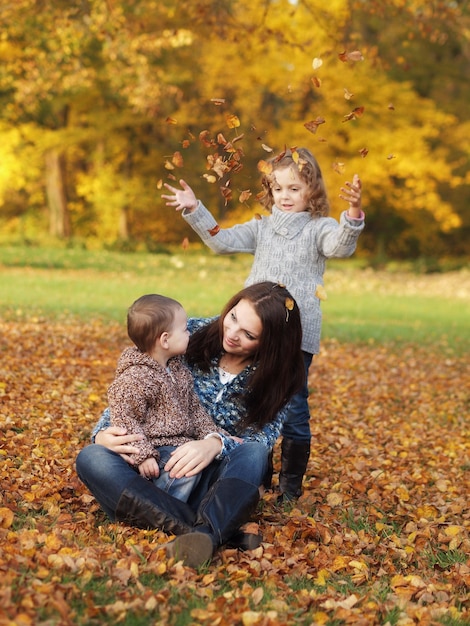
[[242, 330]]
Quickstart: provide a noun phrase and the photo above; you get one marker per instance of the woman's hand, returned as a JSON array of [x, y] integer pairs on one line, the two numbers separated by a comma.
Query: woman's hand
[[181, 198], [352, 194], [117, 440], [149, 468], [193, 456]]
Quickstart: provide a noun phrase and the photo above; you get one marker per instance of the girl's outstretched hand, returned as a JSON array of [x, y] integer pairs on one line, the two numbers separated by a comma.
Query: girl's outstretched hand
[[352, 194], [181, 198]]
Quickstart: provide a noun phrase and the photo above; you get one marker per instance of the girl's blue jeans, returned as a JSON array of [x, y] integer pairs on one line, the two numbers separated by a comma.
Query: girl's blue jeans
[[297, 423], [107, 475]]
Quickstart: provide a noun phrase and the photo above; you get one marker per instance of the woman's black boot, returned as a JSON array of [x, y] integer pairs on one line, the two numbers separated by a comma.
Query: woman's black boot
[[294, 460], [144, 505]]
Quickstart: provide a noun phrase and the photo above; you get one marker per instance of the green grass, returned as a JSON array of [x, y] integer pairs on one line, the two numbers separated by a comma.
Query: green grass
[[362, 305]]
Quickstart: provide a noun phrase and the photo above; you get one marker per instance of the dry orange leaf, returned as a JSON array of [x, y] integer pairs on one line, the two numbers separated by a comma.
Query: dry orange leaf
[[232, 121], [313, 125], [244, 196], [356, 55], [316, 81], [177, 159], [264, 167]]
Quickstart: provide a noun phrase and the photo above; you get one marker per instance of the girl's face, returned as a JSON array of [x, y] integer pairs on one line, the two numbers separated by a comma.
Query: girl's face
[[289, 190], [242, 330]]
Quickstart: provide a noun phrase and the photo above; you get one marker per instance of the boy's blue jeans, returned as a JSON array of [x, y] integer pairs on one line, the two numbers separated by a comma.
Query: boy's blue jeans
[[180, 488]]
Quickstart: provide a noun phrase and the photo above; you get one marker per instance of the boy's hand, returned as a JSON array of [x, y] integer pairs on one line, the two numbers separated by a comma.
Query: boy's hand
[[149, 468], [352, 194], [181, 198]]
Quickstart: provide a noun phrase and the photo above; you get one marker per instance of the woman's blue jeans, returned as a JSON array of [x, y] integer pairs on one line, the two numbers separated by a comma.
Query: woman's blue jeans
[[297, 423], [107, 475]]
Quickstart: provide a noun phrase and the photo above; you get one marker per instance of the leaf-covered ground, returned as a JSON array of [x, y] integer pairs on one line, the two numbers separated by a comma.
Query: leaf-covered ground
[[380, 536]]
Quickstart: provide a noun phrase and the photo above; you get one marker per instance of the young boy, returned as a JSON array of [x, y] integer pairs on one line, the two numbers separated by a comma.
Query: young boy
[[153, 394]]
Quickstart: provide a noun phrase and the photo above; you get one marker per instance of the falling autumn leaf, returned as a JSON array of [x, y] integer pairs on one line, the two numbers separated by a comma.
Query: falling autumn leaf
[[316, 63], [316, 81], [210, 178], [266, 148], [214, 230], [264, 167], [338, 167], [218, 101], [244, 196], [177, 159], [364, 152], [355, 113], [232, 121], [313, 125], [171, 120], [226, 193], [185, 243], [204, 137], [347, 94], [356, 55]]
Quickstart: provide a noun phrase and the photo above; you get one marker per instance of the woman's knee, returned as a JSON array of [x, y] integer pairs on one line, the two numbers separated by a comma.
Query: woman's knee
[[248, 462], [97, 463]]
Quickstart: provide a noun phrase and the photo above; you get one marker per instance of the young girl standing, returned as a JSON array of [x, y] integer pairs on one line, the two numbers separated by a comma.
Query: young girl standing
[[290, 246]]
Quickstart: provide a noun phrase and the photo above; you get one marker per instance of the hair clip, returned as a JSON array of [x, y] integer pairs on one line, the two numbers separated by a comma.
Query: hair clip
[[289, 304]]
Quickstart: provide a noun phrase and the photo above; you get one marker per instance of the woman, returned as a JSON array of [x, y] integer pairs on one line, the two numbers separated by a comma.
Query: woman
[[246, 365]]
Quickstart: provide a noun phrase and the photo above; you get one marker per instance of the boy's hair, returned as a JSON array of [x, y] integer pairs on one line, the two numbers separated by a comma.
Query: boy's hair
[[148, 317], [307, 167]]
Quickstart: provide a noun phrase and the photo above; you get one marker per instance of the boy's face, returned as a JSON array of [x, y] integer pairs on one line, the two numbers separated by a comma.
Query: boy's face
[[289, 190], [178, 336]]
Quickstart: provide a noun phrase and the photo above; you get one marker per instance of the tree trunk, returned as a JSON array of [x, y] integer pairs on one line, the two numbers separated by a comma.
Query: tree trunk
[[123, 227], [59, 218]]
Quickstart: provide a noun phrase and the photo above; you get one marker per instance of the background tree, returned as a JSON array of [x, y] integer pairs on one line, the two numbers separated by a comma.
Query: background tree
[[101, 100]]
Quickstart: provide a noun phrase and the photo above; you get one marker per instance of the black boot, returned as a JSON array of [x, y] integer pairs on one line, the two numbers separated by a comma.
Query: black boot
[[294, 459], [144, 505], [228, 504]]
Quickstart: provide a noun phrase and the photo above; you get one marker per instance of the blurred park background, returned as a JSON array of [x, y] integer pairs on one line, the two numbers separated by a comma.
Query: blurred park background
[[102, 101]]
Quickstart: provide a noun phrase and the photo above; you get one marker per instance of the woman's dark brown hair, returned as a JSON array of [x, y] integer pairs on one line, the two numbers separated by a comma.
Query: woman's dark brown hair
[[279, 370]]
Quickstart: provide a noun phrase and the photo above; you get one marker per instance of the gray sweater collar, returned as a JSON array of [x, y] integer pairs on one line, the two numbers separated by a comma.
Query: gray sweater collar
[[289, 224]]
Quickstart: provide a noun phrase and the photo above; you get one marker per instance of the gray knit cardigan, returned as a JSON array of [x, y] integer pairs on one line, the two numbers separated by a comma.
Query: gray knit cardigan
[[289, 248]]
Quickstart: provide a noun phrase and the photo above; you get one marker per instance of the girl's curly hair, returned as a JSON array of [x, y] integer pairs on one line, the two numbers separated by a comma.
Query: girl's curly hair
[[306, 165]]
